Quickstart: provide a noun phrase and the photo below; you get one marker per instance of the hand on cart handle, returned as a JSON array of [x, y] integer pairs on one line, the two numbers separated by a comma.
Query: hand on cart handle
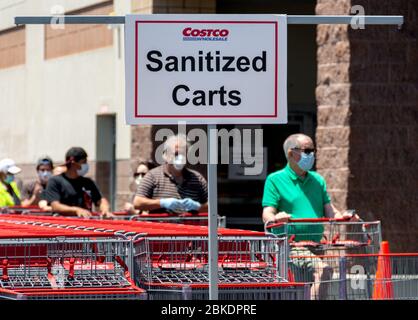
[[347, 218], [282, 217], [106, 214], [83, 213], [350, 215], [190, 205], [172, 204]]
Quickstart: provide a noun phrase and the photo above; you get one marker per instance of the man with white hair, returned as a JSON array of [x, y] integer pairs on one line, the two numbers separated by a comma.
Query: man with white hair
[[172, 187], [9, 192], [299, 193], [295, 191]]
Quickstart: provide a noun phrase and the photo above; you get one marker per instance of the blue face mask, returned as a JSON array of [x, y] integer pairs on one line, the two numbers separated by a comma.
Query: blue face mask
[[9, 178], [44, 175], [306, 161], [84, 169]]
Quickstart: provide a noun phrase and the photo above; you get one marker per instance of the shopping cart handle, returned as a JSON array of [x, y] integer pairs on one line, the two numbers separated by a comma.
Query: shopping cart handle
[[310, 220], [319, 220], [121, 213]]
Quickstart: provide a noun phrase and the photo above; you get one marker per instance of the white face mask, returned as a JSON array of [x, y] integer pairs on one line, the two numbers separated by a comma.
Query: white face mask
[[179, 162], [138, 180], [44, 175], [84, 169]]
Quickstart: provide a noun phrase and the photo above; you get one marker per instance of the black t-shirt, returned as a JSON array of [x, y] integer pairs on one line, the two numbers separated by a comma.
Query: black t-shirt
[[80, 192]]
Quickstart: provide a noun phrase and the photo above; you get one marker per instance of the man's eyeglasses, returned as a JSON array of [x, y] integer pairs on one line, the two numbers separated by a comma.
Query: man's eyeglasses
[[137, 174], [307, 150]]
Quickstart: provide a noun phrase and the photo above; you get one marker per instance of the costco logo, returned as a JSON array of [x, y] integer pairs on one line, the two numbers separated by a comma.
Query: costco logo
[[190, 34]]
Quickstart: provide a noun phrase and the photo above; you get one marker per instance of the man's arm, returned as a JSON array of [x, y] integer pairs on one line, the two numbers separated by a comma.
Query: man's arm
[[104, 207], [144, 203], [29, 202], [29, 198], [270, 215], [204, 207], [43, 204], [332, 212], [143, 198], [69, 210]]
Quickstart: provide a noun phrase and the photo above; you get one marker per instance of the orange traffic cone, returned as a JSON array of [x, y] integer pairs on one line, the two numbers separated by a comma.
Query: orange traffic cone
[[383, 288]]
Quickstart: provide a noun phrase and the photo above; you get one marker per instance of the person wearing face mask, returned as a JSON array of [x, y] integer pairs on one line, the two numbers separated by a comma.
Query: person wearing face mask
[[172, 187], [141, 170], [9, 191], [32, 191], [71, 193], [297, 192]]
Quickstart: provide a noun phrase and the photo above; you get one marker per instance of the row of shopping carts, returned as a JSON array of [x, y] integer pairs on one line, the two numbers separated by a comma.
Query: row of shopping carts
[[70, 258], [168, 261]]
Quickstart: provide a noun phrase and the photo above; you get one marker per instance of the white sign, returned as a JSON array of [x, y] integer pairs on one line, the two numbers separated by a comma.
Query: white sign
[[206, 69]]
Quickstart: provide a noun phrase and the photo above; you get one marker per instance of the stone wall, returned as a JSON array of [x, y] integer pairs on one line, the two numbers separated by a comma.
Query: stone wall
[[367, 94]]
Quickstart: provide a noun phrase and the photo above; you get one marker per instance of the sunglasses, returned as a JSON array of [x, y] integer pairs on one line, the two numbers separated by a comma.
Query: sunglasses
[[307, 151], [137, 174]]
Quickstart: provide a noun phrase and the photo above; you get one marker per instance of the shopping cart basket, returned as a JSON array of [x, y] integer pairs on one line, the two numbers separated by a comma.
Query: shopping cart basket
[[323, 234], [51, 263], [165, 263]]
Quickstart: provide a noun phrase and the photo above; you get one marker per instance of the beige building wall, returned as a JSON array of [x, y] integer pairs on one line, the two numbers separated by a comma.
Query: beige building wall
[[50, 99]]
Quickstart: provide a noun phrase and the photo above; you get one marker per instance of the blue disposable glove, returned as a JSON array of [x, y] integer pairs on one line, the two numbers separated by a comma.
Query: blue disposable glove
[[191, 205], [172, 204]]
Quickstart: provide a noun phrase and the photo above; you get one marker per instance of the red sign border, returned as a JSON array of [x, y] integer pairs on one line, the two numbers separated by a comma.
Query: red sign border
[[137, 115]]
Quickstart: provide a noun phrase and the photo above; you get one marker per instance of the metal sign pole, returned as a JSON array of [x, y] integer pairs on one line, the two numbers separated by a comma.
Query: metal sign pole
[[291, 19], [212, 135], [213, 211]]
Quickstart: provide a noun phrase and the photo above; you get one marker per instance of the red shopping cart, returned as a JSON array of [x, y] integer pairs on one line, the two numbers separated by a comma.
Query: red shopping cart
[[166, 265], [324, 234], [38, 262]]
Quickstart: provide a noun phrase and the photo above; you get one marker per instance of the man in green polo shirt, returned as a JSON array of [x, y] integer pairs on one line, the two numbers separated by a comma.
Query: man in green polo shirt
[[296, 192]]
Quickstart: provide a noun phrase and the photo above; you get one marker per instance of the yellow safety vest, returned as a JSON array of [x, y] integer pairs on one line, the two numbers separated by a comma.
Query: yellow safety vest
[[6, 198]]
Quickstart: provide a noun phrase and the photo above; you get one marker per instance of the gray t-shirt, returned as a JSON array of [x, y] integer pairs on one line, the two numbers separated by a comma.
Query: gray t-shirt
[[29, 188]]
